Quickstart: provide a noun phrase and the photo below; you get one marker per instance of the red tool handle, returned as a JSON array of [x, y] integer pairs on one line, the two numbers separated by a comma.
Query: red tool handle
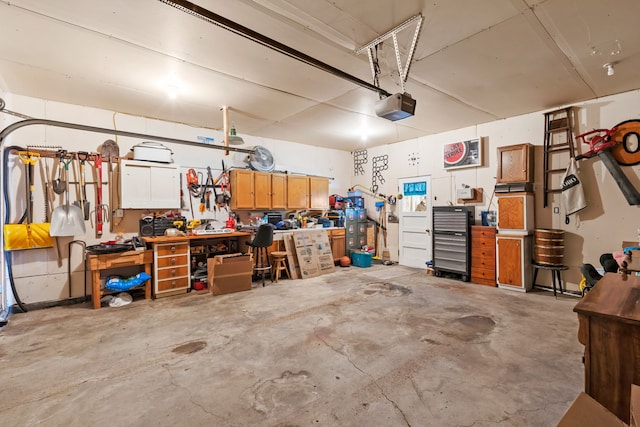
[[99, 219]]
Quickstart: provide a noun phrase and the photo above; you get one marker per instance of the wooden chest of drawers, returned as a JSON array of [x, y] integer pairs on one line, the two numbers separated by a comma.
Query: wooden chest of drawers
[[483, 255], [171, 268]]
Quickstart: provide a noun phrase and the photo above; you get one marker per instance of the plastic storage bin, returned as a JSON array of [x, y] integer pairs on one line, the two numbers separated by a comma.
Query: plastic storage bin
[[361, 259]]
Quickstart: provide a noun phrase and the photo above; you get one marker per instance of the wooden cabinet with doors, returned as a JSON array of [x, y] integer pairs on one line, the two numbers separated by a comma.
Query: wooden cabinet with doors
[[242, 189], [297, 192], [513, 254], [515, 164], [278, 191], [318, 192], [338, 241], [483, 255], [515, 213], [262, 190]]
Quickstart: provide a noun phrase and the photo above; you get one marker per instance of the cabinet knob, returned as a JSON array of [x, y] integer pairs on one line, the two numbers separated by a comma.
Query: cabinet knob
[[173, 248], [173, 284], [173, 261], [173, 272]]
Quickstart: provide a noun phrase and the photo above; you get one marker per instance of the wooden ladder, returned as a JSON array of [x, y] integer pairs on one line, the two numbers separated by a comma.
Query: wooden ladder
[[558, 137]]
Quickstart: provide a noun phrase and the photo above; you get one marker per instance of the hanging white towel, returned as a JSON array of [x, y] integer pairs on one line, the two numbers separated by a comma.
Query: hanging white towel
[[572, 191]]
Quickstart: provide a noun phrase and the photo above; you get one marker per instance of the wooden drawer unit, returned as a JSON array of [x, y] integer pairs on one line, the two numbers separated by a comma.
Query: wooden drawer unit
[[483, 255], [515, 213], [171, 268], [515, 164]]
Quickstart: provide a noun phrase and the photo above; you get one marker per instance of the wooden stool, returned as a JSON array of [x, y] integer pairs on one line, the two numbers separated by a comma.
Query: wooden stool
[[555, 271], [279, 263]]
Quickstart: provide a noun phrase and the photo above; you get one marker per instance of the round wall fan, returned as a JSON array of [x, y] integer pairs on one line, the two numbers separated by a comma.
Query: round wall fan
[[261, 159]]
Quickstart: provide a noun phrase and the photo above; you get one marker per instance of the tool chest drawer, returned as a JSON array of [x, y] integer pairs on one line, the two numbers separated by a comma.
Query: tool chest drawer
[[171, 268]]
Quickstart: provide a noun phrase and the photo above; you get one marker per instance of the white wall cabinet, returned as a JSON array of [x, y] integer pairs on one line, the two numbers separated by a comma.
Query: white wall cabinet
[[149, 185]]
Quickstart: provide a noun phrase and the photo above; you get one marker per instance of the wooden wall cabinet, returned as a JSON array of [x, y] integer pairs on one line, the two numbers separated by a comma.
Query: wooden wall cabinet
[[515, 164], [483, 255], [278, 191], [242, 189], [318, 192], [297, 192], [515, 213], [261, 190], [513, 265]]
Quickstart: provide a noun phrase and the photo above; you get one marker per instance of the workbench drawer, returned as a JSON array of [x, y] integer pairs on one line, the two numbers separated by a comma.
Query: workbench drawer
[[172, 284], [172, 261], [166, 249], [170, 273], [122, 259]]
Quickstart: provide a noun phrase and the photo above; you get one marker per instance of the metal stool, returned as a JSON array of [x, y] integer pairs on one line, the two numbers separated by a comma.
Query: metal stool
[[279, 263], [555, 271]]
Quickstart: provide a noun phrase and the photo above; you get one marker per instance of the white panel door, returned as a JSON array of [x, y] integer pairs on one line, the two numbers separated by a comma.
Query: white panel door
[[415, 221]]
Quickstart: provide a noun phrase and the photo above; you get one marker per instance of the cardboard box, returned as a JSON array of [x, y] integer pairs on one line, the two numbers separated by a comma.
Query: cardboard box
[[635, 406], [229, 273], [586, 412]]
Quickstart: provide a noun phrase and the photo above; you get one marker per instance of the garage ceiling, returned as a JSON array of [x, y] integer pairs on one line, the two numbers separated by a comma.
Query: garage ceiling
[[475, 61]]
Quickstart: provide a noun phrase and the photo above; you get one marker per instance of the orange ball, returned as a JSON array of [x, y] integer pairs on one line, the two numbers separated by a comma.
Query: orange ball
[[345, 261]]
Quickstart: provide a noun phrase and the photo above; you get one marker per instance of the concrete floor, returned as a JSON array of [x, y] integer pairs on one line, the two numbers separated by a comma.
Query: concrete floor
[[382, 346]]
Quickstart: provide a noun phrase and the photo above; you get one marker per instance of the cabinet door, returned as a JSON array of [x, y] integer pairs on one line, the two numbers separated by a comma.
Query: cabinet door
[[262, 190], [511, 213], [515, 164], [338, 244], [148, 185], [297, 192], [509, 261], [318, 192], [278, 191], [241, 189]]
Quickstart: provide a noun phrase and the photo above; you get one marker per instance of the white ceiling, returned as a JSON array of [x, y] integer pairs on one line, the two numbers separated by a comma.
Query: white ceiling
[[475, 61]]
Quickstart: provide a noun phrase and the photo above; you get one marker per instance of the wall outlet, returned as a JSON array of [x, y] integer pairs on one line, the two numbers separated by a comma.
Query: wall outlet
[[556, 210], [118, 213]]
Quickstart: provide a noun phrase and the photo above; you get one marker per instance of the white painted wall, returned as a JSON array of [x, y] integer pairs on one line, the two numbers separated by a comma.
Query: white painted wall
[[601, 227], [38, 275]]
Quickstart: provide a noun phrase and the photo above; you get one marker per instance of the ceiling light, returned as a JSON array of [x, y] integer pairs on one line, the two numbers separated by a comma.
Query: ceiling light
[[609, 67], [230, 136], [233, 138]]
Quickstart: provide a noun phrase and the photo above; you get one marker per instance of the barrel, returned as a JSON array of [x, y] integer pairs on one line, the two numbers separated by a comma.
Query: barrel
[[548, 247]]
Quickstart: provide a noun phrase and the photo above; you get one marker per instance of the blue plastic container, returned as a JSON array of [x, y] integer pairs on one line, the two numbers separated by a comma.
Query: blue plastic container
[[361, 259]]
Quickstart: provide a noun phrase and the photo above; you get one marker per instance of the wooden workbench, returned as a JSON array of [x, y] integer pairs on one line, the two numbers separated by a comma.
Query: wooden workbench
[[609, 328], [98, 263]]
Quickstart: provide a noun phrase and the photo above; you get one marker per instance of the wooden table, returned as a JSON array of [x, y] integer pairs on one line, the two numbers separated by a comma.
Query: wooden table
[[609, 328], [98, 263]]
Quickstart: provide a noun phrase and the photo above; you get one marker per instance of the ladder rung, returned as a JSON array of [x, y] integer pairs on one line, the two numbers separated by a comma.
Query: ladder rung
[[562, 129], [555, 150], [554, 170], [554, 190]]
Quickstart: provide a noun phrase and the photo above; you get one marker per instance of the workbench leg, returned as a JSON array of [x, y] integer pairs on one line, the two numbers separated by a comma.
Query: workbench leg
[[95, 284], [147, 287]]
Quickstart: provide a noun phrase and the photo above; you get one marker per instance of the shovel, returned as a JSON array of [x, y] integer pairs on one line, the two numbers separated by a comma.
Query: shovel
[[108, 151], [84, 203], [67, 220], [59, 186]]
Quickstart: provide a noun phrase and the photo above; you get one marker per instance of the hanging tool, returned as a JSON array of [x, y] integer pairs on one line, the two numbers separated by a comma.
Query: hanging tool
[[110, 152], [26, 234], [182, 203], [66, 220], [83, 203], [192, 185], [60, 185], [210, 182], [102, 210]]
